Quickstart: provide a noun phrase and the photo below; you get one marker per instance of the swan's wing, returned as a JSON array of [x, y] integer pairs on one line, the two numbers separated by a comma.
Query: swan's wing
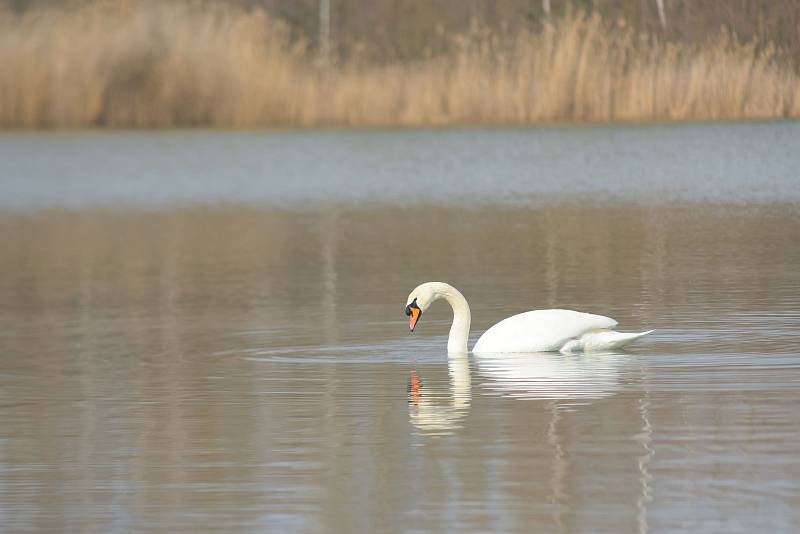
[[540, 330]]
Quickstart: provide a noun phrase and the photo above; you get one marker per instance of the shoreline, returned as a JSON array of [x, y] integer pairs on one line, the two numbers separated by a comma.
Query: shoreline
[[355, 128]]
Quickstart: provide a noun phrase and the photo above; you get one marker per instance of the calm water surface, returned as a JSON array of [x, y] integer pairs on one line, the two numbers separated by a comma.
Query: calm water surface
[[204, 332]]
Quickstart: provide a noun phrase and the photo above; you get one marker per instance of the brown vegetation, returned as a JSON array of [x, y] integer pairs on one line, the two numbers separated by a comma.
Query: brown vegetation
[[145, 64], [408, 29]]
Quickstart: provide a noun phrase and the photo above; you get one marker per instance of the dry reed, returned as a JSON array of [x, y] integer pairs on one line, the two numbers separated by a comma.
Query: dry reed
[[148, 64]]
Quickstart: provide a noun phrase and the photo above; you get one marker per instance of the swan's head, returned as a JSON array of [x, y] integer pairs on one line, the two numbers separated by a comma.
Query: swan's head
[[418, 301]]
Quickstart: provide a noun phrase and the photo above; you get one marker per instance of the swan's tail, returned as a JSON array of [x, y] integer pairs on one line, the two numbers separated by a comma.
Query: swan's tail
[[602, 340]]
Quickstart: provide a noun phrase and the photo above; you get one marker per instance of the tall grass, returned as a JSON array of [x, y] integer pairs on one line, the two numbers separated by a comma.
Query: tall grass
[[149, 64]]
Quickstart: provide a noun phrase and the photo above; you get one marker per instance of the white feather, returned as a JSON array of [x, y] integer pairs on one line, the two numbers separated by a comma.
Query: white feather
[[540, 331]]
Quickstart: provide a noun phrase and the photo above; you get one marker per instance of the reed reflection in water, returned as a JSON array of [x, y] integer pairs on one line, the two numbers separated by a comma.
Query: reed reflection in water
[[236, 368]]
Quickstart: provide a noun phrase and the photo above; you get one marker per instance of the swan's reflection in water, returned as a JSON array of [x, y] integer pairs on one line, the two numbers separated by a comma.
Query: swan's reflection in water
[[543, 376], [562, 383], [437, 412], [551, 376]]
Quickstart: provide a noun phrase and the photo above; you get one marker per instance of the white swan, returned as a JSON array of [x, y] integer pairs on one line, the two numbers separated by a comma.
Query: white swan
[[533, 331]]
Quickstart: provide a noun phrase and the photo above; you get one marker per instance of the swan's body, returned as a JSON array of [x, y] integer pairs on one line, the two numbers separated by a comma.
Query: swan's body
[[553, 330], [533, 331]]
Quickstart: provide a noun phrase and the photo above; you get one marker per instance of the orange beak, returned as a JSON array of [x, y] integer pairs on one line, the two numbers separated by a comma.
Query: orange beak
[[413, 318]]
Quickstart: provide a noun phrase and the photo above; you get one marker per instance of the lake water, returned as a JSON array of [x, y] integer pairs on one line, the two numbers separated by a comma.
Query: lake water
[[204, 332]]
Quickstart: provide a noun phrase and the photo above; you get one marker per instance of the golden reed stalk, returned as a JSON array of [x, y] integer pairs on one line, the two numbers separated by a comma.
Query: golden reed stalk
[[149, 64]]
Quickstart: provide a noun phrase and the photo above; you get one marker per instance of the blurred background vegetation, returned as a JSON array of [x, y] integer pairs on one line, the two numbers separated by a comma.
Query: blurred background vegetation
[[241, 63], [409, 29], [393, 30]]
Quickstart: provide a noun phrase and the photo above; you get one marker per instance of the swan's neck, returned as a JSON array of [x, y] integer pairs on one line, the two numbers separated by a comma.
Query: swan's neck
[[459, 331]]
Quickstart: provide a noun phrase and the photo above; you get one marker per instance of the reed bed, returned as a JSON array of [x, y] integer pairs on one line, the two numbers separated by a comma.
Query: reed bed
[[149, 64]]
